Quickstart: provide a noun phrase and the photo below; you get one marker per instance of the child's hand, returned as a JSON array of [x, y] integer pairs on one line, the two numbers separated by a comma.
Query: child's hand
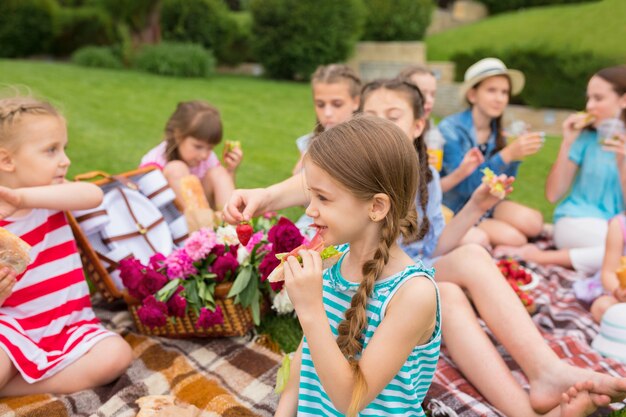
[[620, 294], [484, 199], [472, 160], [233, 158], [304, 282], [7, 281], [617, 145], [10, 201], [526, 144]]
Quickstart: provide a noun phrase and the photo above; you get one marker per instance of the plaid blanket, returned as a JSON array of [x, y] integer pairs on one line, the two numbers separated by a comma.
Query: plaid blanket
[[235, 377], [565, 324], [224, 377]]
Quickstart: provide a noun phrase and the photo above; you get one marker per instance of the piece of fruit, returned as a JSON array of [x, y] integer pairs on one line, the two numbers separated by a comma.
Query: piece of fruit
[[244, 232]]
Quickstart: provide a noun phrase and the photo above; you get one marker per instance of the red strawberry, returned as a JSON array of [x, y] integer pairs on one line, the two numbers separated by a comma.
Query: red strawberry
[[244, 232]]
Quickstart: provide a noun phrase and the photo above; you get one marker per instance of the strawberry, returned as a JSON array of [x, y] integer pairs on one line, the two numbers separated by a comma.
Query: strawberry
[[244, 232]]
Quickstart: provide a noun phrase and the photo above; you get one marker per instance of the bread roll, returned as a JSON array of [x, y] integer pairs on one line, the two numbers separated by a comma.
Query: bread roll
[[165, 406], [13, 251], [278, 274], [621, 276]]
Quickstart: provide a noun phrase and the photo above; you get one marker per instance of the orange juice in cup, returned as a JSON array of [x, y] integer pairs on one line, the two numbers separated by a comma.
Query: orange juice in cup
[[434, 143]]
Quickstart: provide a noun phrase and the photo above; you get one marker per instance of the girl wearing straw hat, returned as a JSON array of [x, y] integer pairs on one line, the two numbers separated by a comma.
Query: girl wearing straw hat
[[487, 89]]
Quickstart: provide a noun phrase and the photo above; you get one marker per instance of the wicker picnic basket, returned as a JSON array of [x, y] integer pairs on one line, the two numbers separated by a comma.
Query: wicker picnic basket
[[237, 320]]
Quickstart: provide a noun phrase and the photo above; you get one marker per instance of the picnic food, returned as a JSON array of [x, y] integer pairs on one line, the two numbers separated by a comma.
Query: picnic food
[[165, 406], [13, 251], [517, 276], [585, 120], [230, 145], [244, 232], [496, 184], [196, 207], [621, 276], [329, 255]]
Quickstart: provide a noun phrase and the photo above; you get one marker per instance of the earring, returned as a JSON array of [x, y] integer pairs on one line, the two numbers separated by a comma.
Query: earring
[[373, 217]]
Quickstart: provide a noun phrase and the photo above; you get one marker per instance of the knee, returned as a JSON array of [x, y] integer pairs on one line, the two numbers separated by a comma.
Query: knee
[[119, 357], [175, 170], [512, 236], [599, 307], [477, 236], [531, 223], [472, 251]]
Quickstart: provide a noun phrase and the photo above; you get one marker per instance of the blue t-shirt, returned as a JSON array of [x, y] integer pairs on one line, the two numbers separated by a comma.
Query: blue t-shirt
[[460, 135], [423, 250], [597, 190]]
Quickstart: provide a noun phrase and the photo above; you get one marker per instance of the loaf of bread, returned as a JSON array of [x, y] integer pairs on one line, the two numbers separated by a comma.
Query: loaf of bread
[[195, 205], [13, 251], [165, 406]]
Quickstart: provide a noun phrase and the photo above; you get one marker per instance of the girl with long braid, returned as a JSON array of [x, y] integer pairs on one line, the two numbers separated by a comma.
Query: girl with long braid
[[359, 354]]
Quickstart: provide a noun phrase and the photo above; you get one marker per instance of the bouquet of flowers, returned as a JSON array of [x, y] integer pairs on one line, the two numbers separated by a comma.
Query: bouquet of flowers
[[239, 257]]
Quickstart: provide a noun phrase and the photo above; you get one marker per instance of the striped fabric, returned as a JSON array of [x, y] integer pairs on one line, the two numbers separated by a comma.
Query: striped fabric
[[47, 323], [404, 394]]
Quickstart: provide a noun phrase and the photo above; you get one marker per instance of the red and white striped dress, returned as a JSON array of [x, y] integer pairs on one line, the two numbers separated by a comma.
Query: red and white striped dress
[[47, 323]]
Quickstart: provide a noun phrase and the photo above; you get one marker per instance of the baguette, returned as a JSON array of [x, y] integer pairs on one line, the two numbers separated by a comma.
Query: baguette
[[165, 406], [13, 251]]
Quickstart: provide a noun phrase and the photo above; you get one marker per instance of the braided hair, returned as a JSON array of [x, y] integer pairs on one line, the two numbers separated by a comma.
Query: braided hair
[[12, 110]]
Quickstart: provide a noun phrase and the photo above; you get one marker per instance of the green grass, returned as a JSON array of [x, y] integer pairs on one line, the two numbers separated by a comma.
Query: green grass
[[114, 117], [595, 26]]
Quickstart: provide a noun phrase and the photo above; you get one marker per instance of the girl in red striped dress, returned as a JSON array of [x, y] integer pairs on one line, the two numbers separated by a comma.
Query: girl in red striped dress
[[50, 339]]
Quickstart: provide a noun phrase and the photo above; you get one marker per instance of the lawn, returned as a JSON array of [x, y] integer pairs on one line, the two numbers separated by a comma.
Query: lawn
[[114, 117], [592, 26]]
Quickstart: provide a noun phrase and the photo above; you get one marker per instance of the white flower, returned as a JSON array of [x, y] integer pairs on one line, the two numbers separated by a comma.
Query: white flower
[[282, 303], [242, 255], [227, 235]]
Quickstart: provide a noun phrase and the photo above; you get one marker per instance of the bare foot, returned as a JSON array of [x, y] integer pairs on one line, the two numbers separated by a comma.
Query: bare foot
[[546, 389], [580, 401], [527, 252]]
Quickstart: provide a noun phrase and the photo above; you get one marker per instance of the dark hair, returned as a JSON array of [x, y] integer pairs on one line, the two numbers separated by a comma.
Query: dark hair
[[616, 76], [369, 155], [500, 138], [407, 74], [416, 100], [333, 74], [197, 119]]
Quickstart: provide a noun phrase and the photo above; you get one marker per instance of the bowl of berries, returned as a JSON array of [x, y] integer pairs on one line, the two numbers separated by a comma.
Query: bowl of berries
[[521, 280]]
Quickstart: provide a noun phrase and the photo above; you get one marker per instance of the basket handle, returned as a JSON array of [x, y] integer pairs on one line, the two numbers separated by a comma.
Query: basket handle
[[92, 175]]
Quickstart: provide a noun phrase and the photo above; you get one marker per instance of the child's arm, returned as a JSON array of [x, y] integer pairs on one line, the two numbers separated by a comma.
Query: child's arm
[[288, 403], [232, 159], [472, 160], [613, 253], [390, 346], [563, 170], [66, 196], [480, 201]]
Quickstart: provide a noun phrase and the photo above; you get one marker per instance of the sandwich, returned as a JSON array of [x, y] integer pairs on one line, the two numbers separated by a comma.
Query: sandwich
[[230, 145], [496, 185], [13, 251], [585, 120], [330, 256]]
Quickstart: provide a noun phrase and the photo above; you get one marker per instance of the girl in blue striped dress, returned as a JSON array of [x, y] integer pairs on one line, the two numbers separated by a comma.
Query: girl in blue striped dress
[[360, 352]]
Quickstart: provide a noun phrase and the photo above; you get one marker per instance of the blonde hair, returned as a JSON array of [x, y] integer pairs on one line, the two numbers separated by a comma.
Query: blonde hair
[[195, 118], [368, 155], [12, 110], [333, 74]]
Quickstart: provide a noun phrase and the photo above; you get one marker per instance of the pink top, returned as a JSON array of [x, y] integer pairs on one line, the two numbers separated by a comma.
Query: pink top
[[156, 157], [47, 323]]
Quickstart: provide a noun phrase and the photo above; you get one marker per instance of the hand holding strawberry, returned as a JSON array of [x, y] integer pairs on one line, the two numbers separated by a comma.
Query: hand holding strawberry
[[244, 232]]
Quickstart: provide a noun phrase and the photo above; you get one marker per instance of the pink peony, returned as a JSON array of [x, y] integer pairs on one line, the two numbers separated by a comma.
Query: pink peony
[[156, 261], [151, 282], [177, 304], [200, 244], [180, 265], [209, 318], [256, 238], [277, 286], [131, 273], [225, 266], [152, 313], [218, 250], [285, 236]]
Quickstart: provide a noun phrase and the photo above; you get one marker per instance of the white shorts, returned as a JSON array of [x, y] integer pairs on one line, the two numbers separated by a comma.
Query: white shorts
[[585, 237]]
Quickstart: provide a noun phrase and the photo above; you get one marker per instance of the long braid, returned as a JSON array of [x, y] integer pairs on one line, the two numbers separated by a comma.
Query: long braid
[[427, 175], [351, 329]]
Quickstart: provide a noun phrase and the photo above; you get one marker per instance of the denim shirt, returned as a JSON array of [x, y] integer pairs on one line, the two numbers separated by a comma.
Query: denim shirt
[[458, 130], [423, 249]]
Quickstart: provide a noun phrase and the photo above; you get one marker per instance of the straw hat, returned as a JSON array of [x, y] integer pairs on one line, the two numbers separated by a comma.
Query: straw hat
[[489, 67], [611, 341]]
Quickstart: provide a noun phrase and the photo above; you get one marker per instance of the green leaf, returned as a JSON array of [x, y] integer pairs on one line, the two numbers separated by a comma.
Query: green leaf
[[250, 292], [256, 310], [241, 281], [168, 289], [191, 288], [282, 376]]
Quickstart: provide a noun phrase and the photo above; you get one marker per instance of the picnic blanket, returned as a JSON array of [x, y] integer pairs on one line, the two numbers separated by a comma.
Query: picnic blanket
[[230, 377], [565, 324], [235, 377]]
